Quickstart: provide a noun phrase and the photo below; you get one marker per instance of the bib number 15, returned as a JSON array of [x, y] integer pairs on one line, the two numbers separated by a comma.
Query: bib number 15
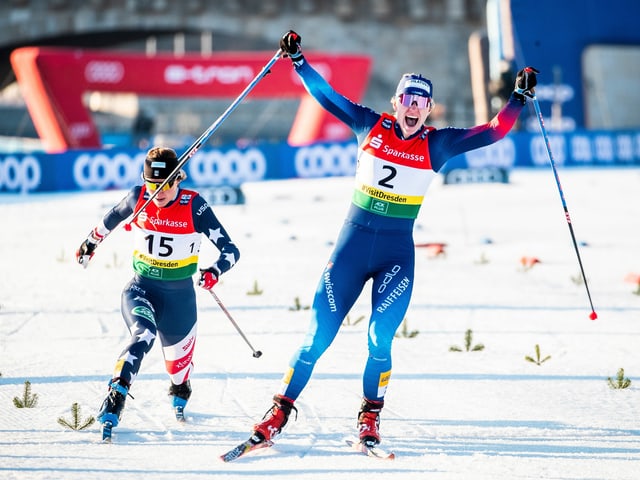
[[161, 246]]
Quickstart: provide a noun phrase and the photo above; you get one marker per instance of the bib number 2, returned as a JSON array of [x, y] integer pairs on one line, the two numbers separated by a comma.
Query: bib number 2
[[385, 182]]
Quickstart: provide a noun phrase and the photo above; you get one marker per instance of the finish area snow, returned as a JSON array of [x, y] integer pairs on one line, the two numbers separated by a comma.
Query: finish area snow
[[506, 272]]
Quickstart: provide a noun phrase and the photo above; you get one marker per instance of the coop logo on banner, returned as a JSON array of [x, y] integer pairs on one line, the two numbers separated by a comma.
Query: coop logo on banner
[[233, 167], [99, 171], [323, 161], [19, 174]]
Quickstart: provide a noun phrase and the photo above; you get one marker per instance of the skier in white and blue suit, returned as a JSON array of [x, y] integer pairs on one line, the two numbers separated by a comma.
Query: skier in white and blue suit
[[160, 299], [398, 157]]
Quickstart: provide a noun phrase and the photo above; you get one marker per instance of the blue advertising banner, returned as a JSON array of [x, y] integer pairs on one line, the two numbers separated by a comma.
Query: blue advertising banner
[[571, 149], [91, 170], [116, 168]]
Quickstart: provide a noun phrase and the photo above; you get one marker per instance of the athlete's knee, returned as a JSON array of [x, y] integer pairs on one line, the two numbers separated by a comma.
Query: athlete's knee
[[143, 336], [138, 347], [378, 353], [316, 343], [306, 356], [380, 340]]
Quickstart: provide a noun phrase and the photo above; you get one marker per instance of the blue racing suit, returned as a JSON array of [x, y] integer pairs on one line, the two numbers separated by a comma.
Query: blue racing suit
[[376, 240], [160, 299]]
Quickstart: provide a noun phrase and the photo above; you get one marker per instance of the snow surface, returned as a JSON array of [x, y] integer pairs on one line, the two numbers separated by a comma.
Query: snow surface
[[449, 415]]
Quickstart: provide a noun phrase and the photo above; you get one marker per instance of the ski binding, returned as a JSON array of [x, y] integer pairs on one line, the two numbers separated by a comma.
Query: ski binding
[[253, 443], [107, 428], [371, 450]]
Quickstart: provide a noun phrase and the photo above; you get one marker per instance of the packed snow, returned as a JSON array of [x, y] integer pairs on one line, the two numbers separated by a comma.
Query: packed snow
[[507, 272]]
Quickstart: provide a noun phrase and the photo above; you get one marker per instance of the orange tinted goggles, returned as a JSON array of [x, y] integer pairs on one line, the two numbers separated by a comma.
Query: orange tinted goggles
[[153, 186]]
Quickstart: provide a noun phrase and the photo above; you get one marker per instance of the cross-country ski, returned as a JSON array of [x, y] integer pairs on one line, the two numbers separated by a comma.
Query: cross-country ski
[[244, 448], [370, 450]]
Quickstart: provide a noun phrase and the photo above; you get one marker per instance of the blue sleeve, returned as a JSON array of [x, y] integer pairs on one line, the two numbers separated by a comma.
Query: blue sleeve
[[357, 117], [449, 142], [123, 209], [206, 222]]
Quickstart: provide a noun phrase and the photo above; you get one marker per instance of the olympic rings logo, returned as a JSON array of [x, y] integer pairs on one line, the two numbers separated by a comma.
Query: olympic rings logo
[[321, 161], [231, 168], [21, 175], [97, 71], [101, 171]]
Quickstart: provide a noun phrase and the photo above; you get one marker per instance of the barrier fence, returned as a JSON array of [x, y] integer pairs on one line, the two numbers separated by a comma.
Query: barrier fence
[[118, 168]]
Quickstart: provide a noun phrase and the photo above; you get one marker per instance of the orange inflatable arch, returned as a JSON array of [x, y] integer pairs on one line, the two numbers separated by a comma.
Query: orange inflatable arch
[[54, 80]]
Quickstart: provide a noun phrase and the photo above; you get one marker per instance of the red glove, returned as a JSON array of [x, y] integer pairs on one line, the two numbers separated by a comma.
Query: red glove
[[208, 278]]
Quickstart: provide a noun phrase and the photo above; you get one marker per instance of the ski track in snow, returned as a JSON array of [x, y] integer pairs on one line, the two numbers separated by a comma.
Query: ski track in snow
[[448, 415]]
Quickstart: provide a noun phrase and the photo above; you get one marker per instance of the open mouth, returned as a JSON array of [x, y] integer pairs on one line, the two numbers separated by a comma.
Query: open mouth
[[411, 121]]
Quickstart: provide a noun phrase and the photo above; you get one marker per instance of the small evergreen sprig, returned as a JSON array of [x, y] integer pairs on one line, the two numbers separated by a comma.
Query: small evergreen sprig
[[578, 279], [117, 263], [297, 305], [256, 290], [468, 342], [620, 381], [527, 263], [347, 320], [483, 260], [404, 331], [28, 399], [76, 423], [538, 360]]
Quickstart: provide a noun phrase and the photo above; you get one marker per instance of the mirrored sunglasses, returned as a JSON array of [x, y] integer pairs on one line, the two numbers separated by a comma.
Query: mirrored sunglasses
[[153, 186], [420, 101]]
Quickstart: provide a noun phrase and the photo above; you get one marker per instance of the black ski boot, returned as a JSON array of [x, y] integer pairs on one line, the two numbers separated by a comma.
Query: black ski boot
[[179, 396]]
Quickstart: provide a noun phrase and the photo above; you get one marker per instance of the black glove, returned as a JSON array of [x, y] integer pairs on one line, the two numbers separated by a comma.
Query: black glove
[[290, 45], [88, 248], [525, 81]]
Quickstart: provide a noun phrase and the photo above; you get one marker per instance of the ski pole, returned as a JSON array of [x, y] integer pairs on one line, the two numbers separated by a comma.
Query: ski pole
[[184, 158], [256, 353], [593, 315]]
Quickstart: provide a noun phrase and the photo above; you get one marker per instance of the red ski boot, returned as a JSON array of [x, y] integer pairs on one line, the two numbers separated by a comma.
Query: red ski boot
[[369, 422], [275, 419]]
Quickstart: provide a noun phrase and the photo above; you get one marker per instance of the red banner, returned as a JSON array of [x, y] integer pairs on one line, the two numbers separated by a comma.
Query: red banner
[[53, 82]]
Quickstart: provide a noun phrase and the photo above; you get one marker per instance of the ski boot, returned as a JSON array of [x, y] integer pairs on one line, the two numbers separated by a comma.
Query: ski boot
[[111, 409], [264, 432], [179, 396], [274, 420], [369, 422]]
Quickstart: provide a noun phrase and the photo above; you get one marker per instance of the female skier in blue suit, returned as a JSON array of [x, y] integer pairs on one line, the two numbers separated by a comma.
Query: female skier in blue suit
[[398, 157]]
